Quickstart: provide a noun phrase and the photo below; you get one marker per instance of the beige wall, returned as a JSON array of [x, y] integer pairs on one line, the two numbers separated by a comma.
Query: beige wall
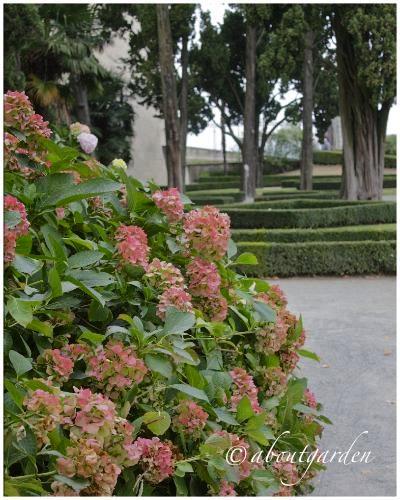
[[147, 156]]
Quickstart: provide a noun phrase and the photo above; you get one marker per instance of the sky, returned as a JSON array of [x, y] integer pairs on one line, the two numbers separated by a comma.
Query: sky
[[210, 138]]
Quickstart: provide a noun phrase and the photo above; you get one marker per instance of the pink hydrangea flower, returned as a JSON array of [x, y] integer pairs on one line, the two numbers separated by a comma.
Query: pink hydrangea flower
[[163, 274], [243, 455], [154, 456], [276, 381], [310, 399], [133, 245], [47, 411], [289, 360], [58, 365], [116, 367], [272, 337], [244, 386], [286, 472], [190, 418], [215, 308], [204, 279], [174, 297], [226, 489], [170, 203], [62, 490], [207, 232], [95, 412], [86, 459], [12, 204], [87, 142], [19, 114]]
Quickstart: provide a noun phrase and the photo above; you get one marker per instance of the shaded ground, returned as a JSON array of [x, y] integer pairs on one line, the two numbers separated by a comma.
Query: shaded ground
[[351, 324]]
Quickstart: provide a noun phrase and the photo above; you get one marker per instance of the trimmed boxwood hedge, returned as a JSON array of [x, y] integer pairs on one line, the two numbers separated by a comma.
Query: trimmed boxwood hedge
[[364, 213], [388, 182], [298, 203], [375, 232], [336, 158], [213, 200], [321, 258], [298, 194]]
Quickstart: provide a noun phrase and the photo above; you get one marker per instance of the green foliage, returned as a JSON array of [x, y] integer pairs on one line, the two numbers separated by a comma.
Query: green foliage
[[95, 368], [336, 158], [348, 233], [391, 145], [332, 184], [321, 258], [365, 213]]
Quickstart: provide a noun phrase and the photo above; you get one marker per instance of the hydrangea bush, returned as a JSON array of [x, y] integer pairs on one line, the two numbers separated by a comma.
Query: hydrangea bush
[[135, 355]]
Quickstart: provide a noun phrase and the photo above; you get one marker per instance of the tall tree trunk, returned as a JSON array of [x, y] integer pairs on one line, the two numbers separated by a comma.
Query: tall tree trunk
[[363, 127], [184, 104], [306, 161], [223, 144], [249, 139], [170, 101], [81, 101], [259, 155]]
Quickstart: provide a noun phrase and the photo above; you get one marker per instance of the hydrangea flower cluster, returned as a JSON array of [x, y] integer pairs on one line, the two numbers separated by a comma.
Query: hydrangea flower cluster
[[11, 234], [19, 115], [174, 297], [170, 203], [204, 279], [116, 367], [213, 308], [132, 246], [154, 456], [226, 489], [87, 142], [207, 232], [163, 274], [78, 128], [190, 418], [244, 386], [112, 367]]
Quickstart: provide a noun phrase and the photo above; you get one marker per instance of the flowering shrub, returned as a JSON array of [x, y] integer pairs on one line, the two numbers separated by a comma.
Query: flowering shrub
[[135, 355]]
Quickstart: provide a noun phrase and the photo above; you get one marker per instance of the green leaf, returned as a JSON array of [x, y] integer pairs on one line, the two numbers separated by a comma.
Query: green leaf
[[26, 265], [12, 218], [20, 363], [42, 327], [232, 248], [16, 394], [215, 445], [93, 338], [55, 282], [191, 391], [177, 321], [265, 311], [244, 410], [247, 258], [75, 484], [158, 363], [226, 416], [157, 422], [20, 311], [85, 258], [89, 189], [195, 378], [308, 354], [93, 278], [180, 485], [89, 291]]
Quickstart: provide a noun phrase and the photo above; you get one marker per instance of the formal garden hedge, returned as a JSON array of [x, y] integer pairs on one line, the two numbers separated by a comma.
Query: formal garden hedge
[[336, 158], [332, 184], [320, 258], [135, 355], [349, 215], [375, 232]]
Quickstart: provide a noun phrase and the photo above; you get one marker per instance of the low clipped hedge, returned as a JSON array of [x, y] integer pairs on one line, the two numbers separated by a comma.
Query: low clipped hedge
[[275, 165], [298, 203], [298, 194], [321, 258], [213, 200], [348, 215], [388, 182], [206, 186], [375, 232], [336, 158]]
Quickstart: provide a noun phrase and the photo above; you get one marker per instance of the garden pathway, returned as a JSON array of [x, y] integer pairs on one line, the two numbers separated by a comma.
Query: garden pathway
[[351, 324]]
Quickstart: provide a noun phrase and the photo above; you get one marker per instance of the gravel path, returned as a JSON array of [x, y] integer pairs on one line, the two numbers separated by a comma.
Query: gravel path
[[351, 324]]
